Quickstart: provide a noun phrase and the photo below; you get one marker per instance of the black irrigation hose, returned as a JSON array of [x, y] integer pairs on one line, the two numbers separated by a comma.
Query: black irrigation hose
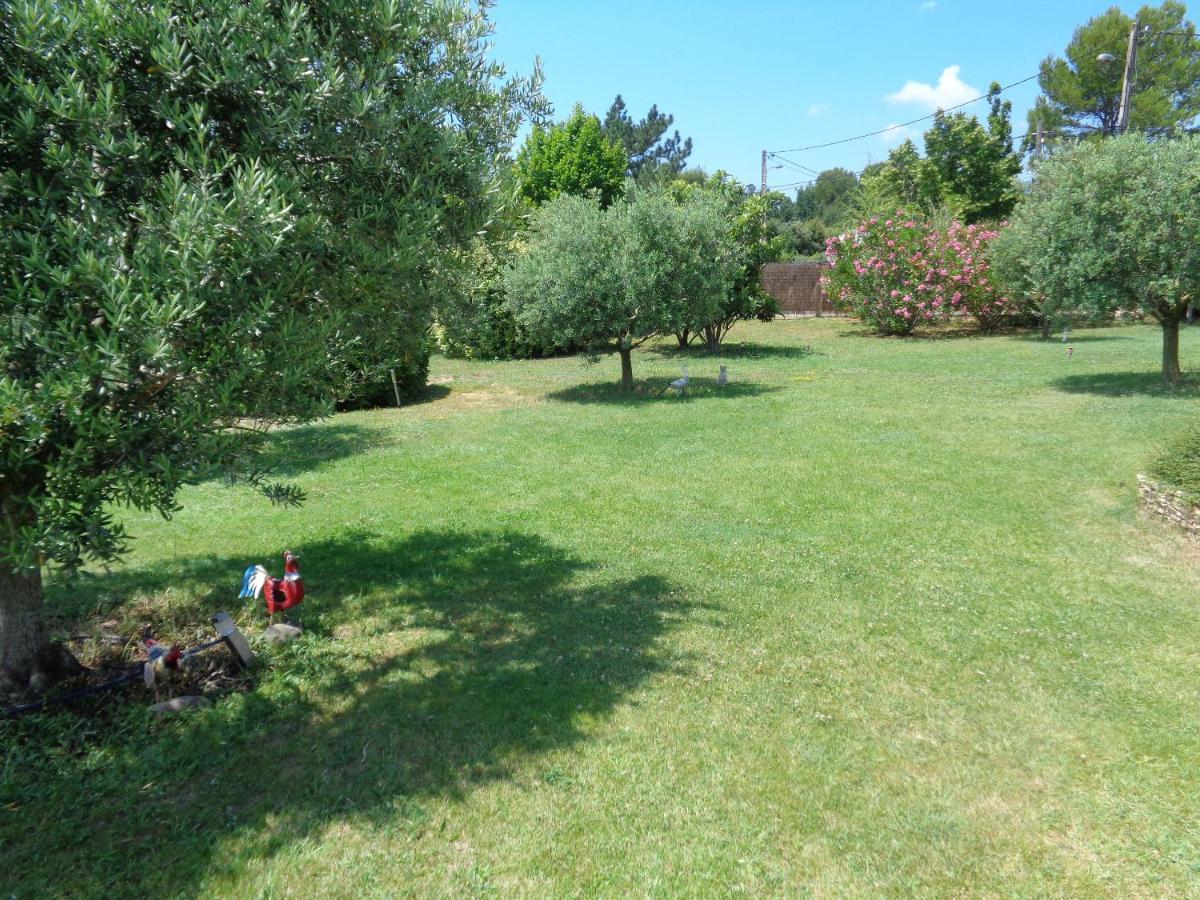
[[21, 709]]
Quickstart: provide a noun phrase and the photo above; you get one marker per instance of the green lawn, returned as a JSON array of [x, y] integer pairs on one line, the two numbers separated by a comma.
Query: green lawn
[[880, 617]]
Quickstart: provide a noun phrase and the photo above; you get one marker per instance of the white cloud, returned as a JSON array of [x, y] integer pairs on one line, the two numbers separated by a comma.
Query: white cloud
[[817, 109], [950, 90], [927, 6], [897, 134]]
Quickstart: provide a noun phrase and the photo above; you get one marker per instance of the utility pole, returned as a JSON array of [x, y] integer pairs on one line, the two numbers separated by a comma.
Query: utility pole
[[1127, 80], [1040, 152], [764, 172]]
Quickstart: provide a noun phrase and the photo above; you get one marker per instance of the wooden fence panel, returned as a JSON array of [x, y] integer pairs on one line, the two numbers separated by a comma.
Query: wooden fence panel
[[796, 287]]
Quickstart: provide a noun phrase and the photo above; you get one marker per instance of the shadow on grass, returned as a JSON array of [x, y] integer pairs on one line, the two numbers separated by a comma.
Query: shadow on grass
[[293, 451], [933, 333], [1073, 338], [1122, 384], [430, 393], [731, 350], [967, 332], [427, 393], [657, 392], [429, 666]]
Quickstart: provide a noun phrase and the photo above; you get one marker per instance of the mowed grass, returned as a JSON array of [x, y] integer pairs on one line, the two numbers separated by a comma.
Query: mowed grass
[[880, 617]]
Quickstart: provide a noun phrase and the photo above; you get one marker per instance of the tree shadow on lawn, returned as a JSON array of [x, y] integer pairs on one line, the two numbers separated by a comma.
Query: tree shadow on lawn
[[932, 333], [730, 350], [304, 448], [430, 666], [1074, 338], [1123, 384], [429, 392], [658, 392]]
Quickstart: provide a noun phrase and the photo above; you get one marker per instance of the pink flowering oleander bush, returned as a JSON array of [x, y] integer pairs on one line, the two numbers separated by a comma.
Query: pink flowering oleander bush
[[962, 254], [875, 273], [898, 274]]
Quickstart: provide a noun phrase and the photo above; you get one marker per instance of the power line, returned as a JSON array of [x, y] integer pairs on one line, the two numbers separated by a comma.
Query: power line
[[795, 166], [859, 137], [799, 184]]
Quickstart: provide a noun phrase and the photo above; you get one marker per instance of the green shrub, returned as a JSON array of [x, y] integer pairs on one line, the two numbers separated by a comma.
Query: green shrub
[[473, 318], [1177, 462], [411, 374]]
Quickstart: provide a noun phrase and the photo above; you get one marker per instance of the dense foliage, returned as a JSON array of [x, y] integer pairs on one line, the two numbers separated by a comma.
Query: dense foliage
[[899, 273], [754, 244], [821, 208], [1112, 226], [572, 157], [474, 320], [610, 279], [224, 214], [1081, 94], [969, 169]]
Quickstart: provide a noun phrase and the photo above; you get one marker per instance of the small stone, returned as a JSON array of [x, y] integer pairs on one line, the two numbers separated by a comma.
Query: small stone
[[180, 704], [281, 633]]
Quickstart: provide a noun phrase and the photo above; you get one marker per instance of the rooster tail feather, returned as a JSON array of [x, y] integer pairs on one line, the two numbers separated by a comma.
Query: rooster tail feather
[[252, 582]]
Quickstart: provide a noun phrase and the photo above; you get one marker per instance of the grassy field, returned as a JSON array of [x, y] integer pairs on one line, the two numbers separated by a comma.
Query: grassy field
[[880, 617]]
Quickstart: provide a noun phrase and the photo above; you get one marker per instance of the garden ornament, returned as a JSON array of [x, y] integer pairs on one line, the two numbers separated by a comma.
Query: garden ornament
[[280, 593]]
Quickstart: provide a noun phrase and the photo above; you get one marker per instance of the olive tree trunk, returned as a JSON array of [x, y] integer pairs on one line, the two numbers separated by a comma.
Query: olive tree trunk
[[712, 338], [22, 641], [626, 368], [1170, 354]]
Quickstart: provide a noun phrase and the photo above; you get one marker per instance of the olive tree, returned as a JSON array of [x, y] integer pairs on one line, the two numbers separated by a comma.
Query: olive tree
[[213, 219], [611, 279], [1108, 226]]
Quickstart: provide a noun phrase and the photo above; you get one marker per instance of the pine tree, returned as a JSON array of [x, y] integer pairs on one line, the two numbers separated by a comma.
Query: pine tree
[[649, 154]]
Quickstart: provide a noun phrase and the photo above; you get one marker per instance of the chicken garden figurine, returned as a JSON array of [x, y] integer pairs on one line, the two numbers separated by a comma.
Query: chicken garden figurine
[[279, 593], [162, 662], [681, 384]]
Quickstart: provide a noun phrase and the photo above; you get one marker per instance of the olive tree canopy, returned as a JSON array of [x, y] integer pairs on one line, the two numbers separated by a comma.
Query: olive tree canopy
[[1108, 226]]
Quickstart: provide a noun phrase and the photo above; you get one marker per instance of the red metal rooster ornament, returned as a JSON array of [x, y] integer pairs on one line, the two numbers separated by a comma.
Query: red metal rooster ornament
[[280, 593]]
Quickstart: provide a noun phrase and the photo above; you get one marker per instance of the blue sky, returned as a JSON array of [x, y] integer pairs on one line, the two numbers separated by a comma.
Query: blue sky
[[741, 78]]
